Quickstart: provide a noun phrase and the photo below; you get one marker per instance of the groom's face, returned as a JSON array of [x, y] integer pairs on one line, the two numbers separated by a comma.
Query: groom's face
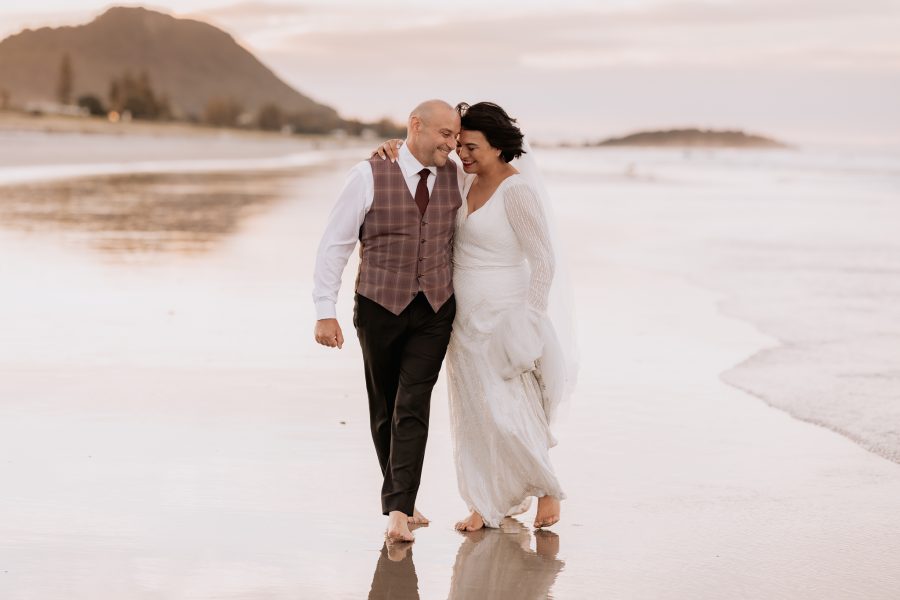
[[436, 137]]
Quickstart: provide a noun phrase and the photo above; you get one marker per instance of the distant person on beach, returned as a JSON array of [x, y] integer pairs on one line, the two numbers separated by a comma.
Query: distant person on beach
[[511, 359], [403, 215]]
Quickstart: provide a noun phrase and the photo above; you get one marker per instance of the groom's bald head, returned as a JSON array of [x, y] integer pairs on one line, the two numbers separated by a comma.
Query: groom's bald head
[[431, 109], [432, 130]]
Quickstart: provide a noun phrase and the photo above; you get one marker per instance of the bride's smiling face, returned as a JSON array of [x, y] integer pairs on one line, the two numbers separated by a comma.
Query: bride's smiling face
[[475, 152]]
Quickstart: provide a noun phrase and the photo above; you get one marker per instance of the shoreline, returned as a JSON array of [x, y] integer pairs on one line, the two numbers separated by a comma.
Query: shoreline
[[56, 172], [16, 121], [33, 155], [304, 152], [728, 375], [732, 377], [821, 289]]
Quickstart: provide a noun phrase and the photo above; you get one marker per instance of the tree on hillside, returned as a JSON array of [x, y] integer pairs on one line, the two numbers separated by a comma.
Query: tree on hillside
[[114, 95], [222, 112], [270, 118], [313, 121], [64, 80], [354, 127], [136, 95], [93, 104], [387, 128]]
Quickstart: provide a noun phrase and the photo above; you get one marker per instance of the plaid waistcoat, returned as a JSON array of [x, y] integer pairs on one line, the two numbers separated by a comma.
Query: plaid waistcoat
[[402, 252]]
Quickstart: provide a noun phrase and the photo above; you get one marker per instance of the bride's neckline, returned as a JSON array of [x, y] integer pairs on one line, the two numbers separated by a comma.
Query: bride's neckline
[[491, 197]]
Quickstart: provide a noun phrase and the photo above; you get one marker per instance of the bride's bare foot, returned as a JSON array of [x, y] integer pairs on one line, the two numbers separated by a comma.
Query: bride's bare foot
[[547, 512], [474, 522], [546, 543], [418, 518], [398, 528]]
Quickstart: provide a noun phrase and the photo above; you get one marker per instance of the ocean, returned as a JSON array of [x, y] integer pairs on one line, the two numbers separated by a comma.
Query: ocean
[[170, 429], [804, 244]]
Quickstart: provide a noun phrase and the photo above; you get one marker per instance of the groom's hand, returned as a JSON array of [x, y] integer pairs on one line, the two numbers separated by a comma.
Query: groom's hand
[[328, 333]]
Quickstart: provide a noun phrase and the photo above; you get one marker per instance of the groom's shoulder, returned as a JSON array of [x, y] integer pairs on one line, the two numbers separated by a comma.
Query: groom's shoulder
[[379, 165], [364, 167], [359, 174]]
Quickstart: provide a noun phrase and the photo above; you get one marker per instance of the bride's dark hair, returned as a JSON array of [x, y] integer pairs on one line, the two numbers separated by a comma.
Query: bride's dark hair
[[498, 127]]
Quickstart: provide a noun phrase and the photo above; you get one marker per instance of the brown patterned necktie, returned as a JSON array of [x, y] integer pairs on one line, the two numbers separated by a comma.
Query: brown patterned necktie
[[422, 191]]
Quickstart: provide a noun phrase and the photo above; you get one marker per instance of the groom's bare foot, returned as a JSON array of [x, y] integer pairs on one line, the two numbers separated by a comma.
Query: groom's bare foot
[[397, 552], [547, 512], [474, 522], [398, 528], [418, 518]]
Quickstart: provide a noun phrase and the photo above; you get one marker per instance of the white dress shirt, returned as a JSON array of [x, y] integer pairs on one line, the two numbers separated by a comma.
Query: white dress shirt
[[342, 231]]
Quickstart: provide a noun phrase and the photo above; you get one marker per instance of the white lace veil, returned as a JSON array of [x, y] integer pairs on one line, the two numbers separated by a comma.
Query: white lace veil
[[559, 365]]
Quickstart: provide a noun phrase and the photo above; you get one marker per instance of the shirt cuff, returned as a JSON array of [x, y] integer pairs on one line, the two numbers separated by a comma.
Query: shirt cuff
[[325, 309]]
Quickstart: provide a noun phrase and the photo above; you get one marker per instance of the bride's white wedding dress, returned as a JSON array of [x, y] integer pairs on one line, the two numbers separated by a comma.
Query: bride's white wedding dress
[[503, 267]]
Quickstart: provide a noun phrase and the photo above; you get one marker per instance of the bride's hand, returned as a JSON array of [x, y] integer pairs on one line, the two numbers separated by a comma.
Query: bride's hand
[[389, 149]]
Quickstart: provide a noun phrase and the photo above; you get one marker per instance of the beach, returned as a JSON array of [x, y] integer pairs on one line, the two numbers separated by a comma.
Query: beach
[[170, 429], [40, 149]]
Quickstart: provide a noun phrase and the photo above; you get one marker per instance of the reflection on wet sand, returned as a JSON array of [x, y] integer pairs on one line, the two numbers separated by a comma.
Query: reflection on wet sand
[[499, 564], [149, 212], [395, 575], [494, 564]]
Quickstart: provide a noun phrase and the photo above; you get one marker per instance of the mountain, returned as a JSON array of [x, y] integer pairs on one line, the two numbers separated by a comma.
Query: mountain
[[693, 138], [188, 61]]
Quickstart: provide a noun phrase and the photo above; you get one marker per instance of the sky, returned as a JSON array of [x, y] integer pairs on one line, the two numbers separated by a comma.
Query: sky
[[804, 71]]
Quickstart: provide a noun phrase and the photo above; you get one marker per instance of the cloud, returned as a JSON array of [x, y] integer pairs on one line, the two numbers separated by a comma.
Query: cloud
[[591, 40], [270, 23], [775, 57], [724, 12], [587, 66]]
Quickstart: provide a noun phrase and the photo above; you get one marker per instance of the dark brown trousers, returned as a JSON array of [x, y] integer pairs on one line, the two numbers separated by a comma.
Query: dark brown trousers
[[402, 355]]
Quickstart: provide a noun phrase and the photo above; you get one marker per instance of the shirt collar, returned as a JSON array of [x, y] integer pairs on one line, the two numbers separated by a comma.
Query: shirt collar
[[409, 164]]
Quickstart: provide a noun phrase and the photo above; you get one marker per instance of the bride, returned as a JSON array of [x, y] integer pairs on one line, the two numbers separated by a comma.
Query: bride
[[507, 369]]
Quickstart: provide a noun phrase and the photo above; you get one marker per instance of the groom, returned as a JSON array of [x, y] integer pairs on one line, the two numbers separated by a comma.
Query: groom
[[402, 214]]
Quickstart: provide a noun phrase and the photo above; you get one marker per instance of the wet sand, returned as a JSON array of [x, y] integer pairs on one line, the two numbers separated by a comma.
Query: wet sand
[[170, 430], [145, 212], [41, 149]]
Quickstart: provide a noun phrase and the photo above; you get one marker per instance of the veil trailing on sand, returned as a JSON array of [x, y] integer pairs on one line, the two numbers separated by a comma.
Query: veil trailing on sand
[[560, 359]]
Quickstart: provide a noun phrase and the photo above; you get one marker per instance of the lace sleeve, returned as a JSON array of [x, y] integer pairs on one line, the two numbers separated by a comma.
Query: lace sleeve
[[527, 218]]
